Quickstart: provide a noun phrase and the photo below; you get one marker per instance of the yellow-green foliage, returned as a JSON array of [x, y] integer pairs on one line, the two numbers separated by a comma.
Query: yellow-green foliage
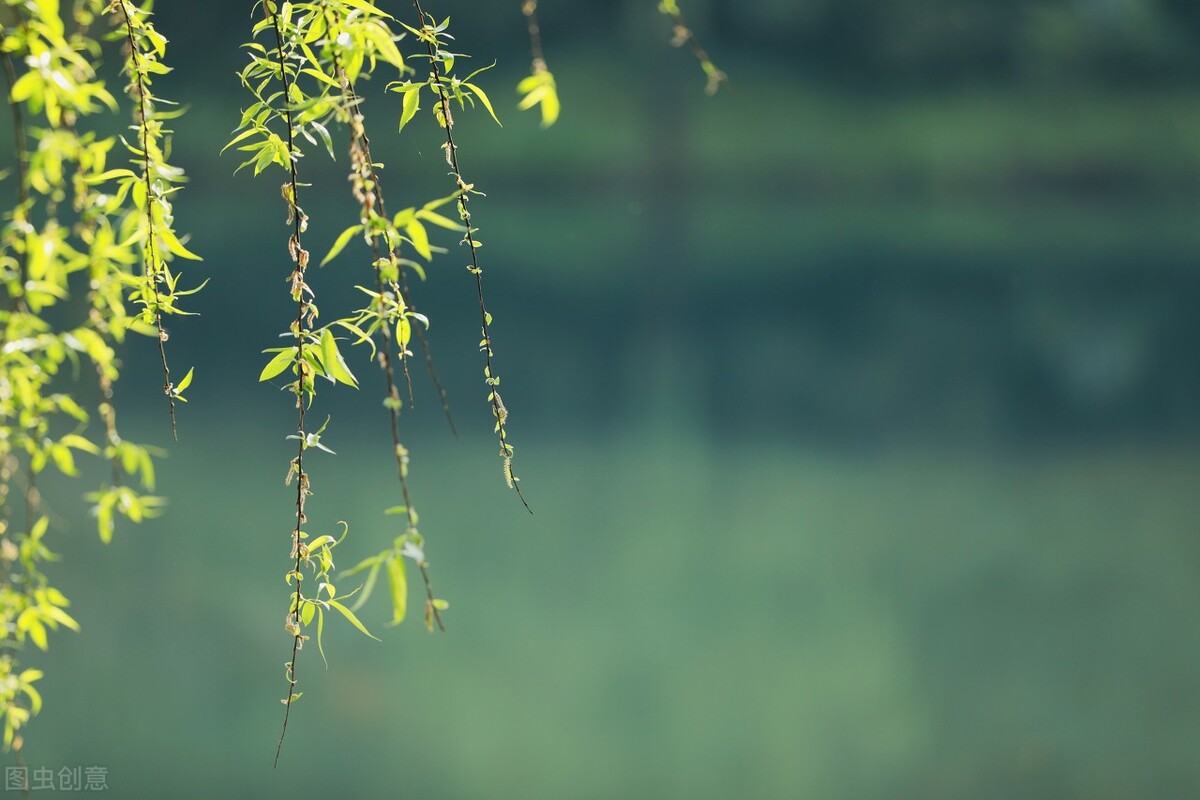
[[80, 229]]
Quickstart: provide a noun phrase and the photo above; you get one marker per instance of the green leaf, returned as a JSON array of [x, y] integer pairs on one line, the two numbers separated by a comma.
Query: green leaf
[[111, 174], [316, 73], [186, 382], [483, 98], [363, 338], [278, 364], [79, 443], [369, 561], [174, 245], [368, 8], [420, 238], [411, 105], [25, 87], [323, 132], [335, 365], [368, 586], [403, 332], [398, 582], [63, 459], [348, 614], [39, 528], [321, 635], [529, 83], [437, 219], [550, 107], [340, 243]]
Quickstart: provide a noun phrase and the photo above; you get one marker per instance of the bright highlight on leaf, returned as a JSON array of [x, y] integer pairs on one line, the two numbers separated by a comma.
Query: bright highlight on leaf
[[539, 90]]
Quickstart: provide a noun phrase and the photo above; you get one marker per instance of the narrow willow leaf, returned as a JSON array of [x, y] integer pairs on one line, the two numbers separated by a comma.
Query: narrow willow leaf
[[437, 219], [277, 364], [368, 586], [335, 365], [79, 443], [368, 8], [398, 582], [340, 243], [348, 614], [174, 245], [110, 175], [411, 105], [321, 635], [420, 239], [483, 98]]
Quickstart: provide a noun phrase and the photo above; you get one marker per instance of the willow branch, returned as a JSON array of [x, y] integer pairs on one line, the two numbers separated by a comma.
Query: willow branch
[[138, 80], [498, 409], [300, 256], [364, 167]]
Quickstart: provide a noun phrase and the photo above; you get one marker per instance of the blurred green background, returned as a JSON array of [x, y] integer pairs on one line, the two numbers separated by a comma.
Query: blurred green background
[[857, 406]]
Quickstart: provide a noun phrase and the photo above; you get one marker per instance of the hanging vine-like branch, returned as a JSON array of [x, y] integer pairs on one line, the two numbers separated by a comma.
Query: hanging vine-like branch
[[444, 85], [389, 308]]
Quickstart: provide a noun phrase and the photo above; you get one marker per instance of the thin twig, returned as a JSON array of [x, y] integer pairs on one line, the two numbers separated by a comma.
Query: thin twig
[[529, 9], [685, 35]]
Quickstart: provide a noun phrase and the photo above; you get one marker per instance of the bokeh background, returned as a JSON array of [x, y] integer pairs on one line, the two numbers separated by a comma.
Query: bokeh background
[[858, 406]]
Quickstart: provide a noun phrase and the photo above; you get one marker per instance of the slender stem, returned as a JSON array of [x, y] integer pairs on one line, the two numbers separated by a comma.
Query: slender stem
[[683, 33], [302, 329], [498, 408], [529, 9], [138, 79]]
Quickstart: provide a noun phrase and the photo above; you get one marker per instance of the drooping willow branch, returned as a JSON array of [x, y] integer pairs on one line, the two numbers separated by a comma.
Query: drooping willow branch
[[429, 34], [683, 34], [368, 191], [144, 44], [301, 294], [314, 352]]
